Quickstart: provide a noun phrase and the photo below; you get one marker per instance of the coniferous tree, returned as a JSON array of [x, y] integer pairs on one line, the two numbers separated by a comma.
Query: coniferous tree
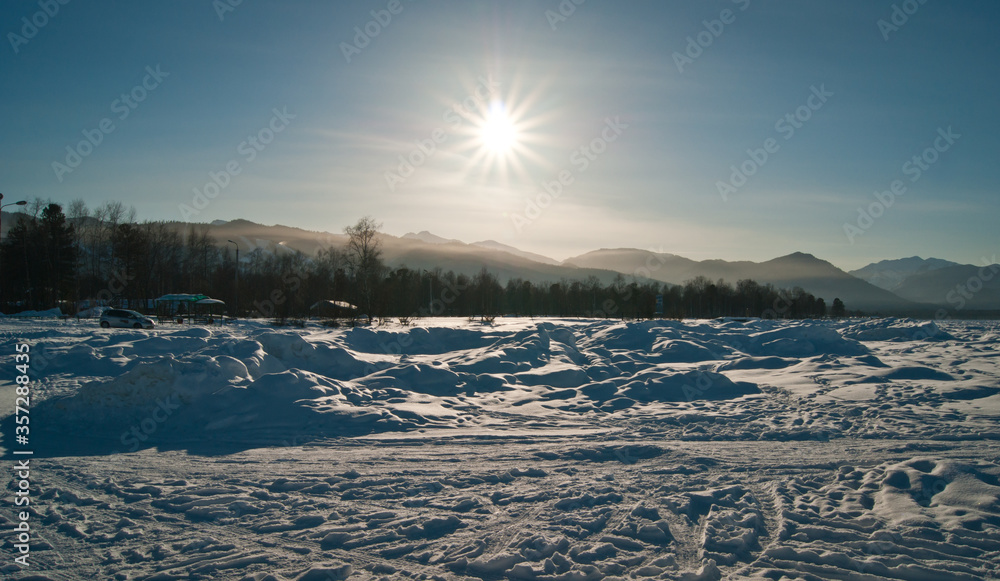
[[39, 260], [59, 255]]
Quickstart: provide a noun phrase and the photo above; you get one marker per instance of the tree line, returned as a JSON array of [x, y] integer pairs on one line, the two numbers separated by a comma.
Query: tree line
[[102, 256]]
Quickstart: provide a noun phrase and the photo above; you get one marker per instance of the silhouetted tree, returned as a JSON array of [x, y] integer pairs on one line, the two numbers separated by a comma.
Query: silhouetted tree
[[39, 259], [487, 295], [364, 259]]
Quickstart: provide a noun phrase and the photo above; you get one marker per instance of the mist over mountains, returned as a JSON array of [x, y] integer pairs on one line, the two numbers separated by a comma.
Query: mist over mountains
[[907, 286], [904, 286], [891, 274]]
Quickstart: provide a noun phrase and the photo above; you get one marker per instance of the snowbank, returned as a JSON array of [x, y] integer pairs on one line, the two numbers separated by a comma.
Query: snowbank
[[51, 313], [896, 330], [258, 385]]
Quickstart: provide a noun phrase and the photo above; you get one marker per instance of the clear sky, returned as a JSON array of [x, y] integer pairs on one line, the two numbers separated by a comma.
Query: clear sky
[[457, 116]]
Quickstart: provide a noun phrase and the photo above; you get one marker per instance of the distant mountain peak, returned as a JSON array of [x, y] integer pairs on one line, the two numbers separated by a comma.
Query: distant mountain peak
[[798, 256], [799, 269], [891, 274], [237, 222], [494, 245], [425, 236]]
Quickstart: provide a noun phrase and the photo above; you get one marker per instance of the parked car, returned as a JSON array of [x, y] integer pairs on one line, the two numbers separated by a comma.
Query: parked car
[[125, 318]]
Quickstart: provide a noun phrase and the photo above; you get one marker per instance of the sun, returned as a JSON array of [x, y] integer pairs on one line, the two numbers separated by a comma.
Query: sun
[[501, 136], [498, 132]]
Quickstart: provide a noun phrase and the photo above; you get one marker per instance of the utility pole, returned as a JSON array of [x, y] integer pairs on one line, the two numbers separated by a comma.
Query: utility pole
[[430, 292], [2, 206]]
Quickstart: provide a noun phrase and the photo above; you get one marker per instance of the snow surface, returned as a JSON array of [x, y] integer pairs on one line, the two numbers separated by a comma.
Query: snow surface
[[51, 313], [562, 450]]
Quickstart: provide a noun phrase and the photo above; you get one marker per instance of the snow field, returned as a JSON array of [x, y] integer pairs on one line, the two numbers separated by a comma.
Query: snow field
[[554, 450]]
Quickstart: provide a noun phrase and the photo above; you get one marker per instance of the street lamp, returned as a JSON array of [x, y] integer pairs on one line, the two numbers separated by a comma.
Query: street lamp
[[2, 206], [430, 293], [236, 307]]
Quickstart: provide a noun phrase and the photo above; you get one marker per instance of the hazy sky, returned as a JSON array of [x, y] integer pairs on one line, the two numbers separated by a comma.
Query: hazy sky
[[456, 117]]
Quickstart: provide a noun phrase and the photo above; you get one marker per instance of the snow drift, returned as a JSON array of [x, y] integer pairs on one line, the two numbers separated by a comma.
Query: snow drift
[[251, 385]]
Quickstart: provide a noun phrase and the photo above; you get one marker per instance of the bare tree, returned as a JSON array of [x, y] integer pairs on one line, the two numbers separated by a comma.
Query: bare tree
[[327, 263], [364, 259], [77, 212], [202, 255]]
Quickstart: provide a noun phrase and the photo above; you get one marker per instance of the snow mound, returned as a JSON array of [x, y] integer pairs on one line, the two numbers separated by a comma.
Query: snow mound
[[555, 375], [49, 314], [802, 340], [925, 491], [911, 373], [418, 340], [758, 363], [91, 313], [705, 380], [680, 351], [428, 379], [686, 386], [288, 349], [169, 344], [202, 397], [896, 330], [136, 390]]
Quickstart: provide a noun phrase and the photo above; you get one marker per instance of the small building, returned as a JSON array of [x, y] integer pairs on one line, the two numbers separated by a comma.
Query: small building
[[334, 310], [195, 307]]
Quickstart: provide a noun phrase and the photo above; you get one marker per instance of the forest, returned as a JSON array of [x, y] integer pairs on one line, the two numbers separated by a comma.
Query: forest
[[81, 258]]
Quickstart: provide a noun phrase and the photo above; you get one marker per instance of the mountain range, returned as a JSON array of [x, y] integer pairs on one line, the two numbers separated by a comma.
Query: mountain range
[[909, 286], [819, 277], [891, 274], [938, 282]]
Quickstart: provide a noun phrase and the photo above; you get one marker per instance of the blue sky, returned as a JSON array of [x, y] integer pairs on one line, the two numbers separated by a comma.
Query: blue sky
[[303, 121]]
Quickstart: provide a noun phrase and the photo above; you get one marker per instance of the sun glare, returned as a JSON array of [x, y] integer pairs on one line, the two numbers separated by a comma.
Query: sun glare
[[501, 136], [498, 132]]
